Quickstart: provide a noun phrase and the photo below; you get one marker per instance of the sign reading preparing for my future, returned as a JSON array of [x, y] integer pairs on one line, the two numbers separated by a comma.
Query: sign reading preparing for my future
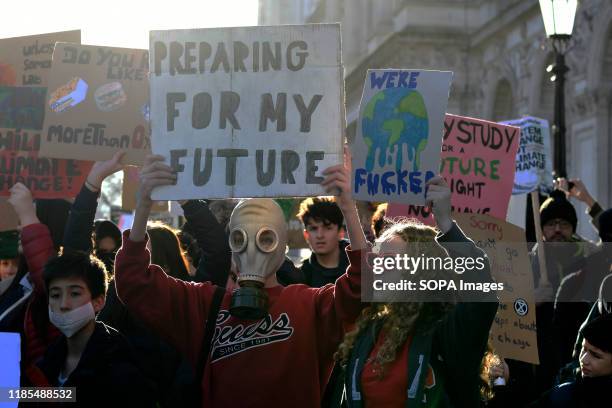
[[25, 63], [97, 104], [248, 111], [399, 134], [533, 158]]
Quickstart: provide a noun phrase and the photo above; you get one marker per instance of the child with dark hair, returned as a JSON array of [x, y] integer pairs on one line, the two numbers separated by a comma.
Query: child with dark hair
[[592, 388], [89, 355], [323, 221]]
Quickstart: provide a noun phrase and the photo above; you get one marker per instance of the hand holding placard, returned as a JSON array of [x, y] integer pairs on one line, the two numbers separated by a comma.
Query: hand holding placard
[[438, 197], [154, 173], [102, 169]]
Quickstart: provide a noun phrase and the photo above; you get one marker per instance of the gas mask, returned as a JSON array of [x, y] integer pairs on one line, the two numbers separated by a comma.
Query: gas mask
[[257, 238]]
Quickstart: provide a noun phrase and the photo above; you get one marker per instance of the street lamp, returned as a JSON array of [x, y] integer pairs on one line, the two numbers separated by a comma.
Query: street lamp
[[558, 16]]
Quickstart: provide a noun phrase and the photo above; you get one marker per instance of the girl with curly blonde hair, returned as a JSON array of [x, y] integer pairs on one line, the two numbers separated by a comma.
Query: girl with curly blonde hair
[[421, 353]]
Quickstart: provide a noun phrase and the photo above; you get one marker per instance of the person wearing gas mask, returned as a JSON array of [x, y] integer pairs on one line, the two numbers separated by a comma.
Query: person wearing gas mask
[[271, 345], [90, 356]]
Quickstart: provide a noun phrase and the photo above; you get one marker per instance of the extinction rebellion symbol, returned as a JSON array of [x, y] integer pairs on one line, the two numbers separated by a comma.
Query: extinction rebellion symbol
[[521, 307]]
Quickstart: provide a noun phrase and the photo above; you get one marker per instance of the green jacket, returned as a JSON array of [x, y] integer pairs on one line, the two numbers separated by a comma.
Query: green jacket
[[444, 362]]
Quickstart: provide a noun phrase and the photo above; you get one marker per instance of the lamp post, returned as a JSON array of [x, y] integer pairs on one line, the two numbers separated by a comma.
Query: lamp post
[[558, 16]]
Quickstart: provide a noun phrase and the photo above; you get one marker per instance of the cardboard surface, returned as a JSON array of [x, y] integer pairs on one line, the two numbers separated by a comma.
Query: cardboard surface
[[247, 111]]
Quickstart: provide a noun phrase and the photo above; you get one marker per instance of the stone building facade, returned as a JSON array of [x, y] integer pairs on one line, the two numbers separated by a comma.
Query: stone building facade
[[498, 52]]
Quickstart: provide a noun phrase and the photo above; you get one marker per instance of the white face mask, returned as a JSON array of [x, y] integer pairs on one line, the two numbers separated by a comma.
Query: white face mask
[[71, 322]]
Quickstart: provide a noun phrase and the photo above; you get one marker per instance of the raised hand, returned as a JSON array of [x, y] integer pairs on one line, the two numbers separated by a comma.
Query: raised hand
[[577, 190], [21, 200], [438, 196], [337, 182], [154, 173], [102, 169]]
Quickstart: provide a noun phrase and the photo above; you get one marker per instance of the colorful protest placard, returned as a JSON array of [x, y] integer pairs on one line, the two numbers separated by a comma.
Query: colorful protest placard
[[130, 188], [397, 147], [98, 104], [478, 164], [533, 158], [513, 333], [247, 111], [25, 63]]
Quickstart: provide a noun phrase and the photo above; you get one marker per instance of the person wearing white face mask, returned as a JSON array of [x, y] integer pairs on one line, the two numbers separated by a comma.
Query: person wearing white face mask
[[93, 357]]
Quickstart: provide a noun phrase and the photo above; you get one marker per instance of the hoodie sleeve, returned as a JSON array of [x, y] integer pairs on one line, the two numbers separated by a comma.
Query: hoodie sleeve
[[463, 334], [216, 257], [339, 305], [79, 226], [37, 249], [176, 310]]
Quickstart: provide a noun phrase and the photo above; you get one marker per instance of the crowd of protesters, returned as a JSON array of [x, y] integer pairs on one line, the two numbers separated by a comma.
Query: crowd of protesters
[[215, 314]]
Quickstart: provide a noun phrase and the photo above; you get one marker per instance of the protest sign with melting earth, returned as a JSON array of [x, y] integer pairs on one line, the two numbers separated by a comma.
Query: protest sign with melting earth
[[397, 147]]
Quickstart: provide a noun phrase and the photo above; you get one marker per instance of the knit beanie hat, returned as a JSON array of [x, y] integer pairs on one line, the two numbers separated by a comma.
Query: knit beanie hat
[[9, 244], [598, 332], [557, 206]]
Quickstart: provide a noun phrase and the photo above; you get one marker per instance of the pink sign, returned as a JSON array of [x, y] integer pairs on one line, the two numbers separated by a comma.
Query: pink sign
[[478, 163]]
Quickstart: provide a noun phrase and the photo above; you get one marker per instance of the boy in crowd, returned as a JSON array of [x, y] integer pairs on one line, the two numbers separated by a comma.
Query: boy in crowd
[[88, 355], [323, 221], [592, 388]]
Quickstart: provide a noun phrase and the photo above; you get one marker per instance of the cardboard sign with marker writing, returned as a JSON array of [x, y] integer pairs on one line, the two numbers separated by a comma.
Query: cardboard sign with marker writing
[[97, 104], [130, 188], [533, 158], [478, 164], [397, 147], [514, 330], [25, 63], [247, 111]]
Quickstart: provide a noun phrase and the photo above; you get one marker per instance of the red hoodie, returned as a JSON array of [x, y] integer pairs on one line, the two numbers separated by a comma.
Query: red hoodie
[[285, 358], [37, 249]]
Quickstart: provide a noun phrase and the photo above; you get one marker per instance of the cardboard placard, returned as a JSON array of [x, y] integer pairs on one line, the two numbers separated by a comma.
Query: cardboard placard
[[533, 158], [478, 164], [129, 189], [25, 63], [97, 104], [514, 330], [247, 111], [8, 218], [397, 147]]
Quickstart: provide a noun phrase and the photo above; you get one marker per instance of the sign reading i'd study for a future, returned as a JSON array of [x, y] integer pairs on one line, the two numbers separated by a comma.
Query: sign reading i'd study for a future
[[399, 134]]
